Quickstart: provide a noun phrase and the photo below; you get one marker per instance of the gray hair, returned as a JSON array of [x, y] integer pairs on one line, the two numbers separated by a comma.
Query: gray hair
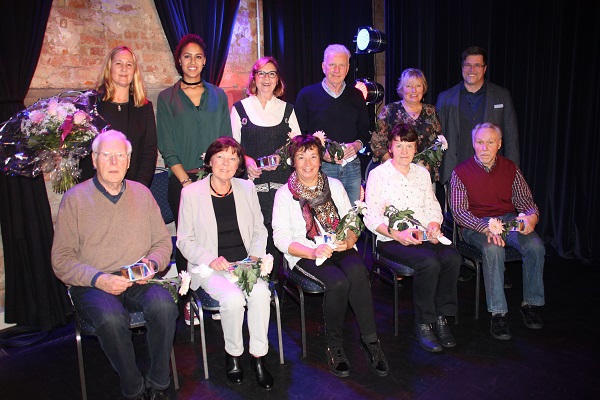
[[336, 49], [110, 134], [486, 125]]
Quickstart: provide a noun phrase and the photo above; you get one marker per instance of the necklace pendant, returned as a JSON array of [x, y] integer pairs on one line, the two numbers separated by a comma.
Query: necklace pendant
[[118, 107]]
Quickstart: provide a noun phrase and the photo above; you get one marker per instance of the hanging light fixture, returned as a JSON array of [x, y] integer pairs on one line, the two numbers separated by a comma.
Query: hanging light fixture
[[372, 91], [369, 40]]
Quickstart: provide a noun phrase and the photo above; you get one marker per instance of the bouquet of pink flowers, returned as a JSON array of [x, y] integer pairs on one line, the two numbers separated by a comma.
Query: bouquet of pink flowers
[[51, 135], [247, 272]]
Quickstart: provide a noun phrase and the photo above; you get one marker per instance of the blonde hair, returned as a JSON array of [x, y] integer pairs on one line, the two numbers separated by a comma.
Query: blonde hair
[[408, 74], [136, 87]]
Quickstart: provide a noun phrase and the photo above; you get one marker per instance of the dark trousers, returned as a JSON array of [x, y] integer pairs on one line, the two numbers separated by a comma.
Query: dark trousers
[[174, 195], [436, 276], [108, 316], [345, 278]]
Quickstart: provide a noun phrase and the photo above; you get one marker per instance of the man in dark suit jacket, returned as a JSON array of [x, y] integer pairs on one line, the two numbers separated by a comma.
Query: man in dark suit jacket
[[471, 102]]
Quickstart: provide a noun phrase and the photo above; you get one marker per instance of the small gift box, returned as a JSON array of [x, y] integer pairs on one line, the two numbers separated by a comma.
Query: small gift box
[[136, 271]]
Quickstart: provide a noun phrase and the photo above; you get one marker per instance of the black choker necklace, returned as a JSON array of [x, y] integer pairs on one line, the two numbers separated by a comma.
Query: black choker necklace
[[217, 193], [191, 83]]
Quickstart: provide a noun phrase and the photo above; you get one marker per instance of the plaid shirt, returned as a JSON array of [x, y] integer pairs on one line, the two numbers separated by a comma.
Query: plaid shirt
[[522, 199]]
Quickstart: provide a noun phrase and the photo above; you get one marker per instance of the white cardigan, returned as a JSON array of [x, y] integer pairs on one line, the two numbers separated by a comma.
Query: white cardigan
[[289, 225]]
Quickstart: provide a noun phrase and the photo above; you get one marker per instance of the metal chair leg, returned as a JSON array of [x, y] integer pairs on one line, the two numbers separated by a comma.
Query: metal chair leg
[[302, 321], [477, 287], [280, 339], [80, 359], [174, 368]]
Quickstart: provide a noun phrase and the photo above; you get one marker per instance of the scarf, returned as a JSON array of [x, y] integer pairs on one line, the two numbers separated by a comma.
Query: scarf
[[316, 205]]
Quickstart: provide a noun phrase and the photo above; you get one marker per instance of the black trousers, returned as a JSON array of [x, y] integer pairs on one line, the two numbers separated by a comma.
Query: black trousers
[[436, 276], [346, 282]]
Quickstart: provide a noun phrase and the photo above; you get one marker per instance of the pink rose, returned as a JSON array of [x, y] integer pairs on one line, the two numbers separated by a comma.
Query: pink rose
[[52, 107], [79, 117], [36, 116]]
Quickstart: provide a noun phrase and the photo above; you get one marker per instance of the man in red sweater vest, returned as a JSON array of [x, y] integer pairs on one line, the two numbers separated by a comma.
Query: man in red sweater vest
[[488, 186]]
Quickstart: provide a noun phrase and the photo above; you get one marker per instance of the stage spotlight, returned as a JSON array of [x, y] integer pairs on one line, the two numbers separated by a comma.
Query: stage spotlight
[[369, 40], [371, 91]]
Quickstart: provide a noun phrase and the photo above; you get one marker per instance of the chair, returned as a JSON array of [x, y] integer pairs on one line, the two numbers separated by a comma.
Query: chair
[[302, 285], [388, 271], [81, 328], [203, 301], [474, 255], [160, 190]]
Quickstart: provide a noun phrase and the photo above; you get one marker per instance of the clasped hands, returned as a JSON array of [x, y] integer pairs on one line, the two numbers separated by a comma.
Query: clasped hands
[[117, 284], [408, 237]]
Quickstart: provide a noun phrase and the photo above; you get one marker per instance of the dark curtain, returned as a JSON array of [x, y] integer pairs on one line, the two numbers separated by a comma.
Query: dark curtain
[[296, 32], [213, 20], [34, 297], [547, 55]]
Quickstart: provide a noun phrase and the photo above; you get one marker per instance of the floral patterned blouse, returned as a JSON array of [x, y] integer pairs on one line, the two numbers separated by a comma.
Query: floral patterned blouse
[[427, 125]]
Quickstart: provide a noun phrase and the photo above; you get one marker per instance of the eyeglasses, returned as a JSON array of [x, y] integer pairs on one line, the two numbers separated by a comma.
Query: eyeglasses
[[474, 66], [106, 156], [270, 74]]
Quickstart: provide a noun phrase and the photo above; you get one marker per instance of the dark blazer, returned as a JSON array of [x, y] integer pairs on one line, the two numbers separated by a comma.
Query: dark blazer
[[499, 110], [140, 129]]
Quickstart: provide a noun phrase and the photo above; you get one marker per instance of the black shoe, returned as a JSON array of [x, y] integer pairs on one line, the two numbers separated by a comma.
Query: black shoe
[[154, 394], [499, 327], [507, 282], [466, 274], [442, 331], [377, 362], [338, 362], [531, 317], [234, 370], [426, 338], [263, 377]]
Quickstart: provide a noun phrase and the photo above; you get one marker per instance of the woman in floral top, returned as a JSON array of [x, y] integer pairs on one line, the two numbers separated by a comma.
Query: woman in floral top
[[410, 110]]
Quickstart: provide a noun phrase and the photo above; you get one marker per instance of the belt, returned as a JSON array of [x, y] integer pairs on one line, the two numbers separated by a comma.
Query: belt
[[193, 171]]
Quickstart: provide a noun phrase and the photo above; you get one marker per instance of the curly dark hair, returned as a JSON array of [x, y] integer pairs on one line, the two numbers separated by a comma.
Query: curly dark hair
[[187, 39]]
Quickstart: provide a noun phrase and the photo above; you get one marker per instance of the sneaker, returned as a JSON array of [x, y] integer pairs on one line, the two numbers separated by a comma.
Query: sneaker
[[338, 362], [499, 327], [216, 316], [186, 315], [377, 362], [531, 317]]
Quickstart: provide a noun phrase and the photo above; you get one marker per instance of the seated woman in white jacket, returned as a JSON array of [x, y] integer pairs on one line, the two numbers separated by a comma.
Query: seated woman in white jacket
[[309, 203], [219, 223]]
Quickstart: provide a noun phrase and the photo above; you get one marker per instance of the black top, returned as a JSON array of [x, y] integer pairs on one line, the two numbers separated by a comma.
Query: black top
[[231, 245], [139, 126], [471, 113]]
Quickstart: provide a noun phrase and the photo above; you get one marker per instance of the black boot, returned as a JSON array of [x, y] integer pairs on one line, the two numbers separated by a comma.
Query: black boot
[[377, 362], [442, 331], [233, 366], [263, 376], [426, 338]]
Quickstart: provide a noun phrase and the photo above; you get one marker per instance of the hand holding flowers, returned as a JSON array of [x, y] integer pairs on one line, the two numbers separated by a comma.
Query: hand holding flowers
[[247, 272]]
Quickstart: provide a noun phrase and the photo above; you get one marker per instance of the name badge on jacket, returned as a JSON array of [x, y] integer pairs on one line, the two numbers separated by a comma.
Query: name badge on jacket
[[498, 105]]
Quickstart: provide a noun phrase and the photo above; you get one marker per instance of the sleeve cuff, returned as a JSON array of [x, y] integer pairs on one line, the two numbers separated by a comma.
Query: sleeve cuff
[[95, 278]]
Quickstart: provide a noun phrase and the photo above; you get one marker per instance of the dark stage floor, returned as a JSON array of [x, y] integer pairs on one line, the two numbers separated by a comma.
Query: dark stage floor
[[561, 361]]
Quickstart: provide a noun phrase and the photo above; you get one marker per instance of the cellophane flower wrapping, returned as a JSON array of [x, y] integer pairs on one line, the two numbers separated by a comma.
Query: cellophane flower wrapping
[[50, 136], [248, 272]]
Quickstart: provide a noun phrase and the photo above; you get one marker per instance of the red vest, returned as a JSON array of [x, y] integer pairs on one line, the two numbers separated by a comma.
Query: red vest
[[489, 193]]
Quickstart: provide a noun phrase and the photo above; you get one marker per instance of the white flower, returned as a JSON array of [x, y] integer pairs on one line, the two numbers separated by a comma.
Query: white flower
[[202, 156], [79, 117], [496, 226], [289, 162], [266, 265], [443, 141], [185, 282], [321, 135]]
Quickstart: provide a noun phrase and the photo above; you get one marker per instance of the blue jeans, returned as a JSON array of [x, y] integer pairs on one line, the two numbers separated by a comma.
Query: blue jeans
[[349, 175], [108, 316], [531, 248]]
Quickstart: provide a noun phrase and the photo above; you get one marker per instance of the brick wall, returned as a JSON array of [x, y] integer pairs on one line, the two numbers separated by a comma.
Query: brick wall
[[80, 33]]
